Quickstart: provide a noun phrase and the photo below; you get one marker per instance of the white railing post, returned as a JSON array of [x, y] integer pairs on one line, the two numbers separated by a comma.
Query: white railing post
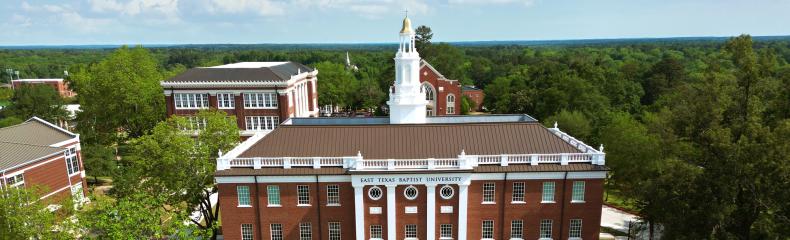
[[503, 160], [256, 163], [599, 159], [316, 162], [431, 163], [533, 159], [221, 164], [286, 162], [564, 159], [390, 164]]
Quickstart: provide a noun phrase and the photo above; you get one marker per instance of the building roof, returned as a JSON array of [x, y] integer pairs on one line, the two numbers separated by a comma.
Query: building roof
[[470, 88], [243, 72], [409, 141], [31, 140]]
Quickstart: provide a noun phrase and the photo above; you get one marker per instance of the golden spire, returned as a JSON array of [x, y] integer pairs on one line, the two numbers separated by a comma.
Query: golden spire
[[406, 25]]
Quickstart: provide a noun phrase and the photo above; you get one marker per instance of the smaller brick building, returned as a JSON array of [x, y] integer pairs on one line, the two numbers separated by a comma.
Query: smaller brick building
[[260, 94], [58, 84], [443, 95], [38, 153], [476, 95]]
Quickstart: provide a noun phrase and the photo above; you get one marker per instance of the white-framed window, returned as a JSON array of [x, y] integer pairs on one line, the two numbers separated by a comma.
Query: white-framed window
[[411, 231], [488, 192], [334, 230], [578, 192], [305, 231], [545, 228], [518, 192], [548, 192], [446, 231], [195, 123], [226, 101], [190, 100], [246, 231], [450, 104], [262, 122], [243, 194], [447, 192], [303, 195], [273, 195], [410, 192], [374, 193], [428, 90], [276, 231], [575, 230], [15, 181], [376, 232], [333, 195], [260, 100], [72, 163], [517, 229], [488, 229]]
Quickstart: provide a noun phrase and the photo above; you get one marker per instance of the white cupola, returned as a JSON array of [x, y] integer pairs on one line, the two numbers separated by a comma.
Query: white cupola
[[407, 101]]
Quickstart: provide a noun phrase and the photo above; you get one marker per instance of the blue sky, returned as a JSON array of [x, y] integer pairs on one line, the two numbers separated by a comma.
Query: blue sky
[[79, 22]]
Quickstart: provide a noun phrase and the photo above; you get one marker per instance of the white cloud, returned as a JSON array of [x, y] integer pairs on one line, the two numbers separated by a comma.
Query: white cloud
[[63, 15], [166, 8], [366, 8], [260, 7], [20, 20], [525, 2]]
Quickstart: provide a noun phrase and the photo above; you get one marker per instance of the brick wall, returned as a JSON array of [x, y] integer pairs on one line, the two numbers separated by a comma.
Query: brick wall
[[442, 88]]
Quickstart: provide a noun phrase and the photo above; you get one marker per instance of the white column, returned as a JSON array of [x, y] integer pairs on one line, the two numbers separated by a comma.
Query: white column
[[391, 213], [359, 212], [463, 198], [430, 211]]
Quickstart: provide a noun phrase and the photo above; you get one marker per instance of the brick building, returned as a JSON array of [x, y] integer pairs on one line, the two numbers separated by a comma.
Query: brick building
[[58, 84], [38, 153], [443, 95], [411, 176], [476, 95], [260, 94]]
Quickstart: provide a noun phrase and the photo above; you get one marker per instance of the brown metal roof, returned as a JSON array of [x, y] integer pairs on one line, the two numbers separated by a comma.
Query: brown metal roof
[[409, 141], [278, 73]]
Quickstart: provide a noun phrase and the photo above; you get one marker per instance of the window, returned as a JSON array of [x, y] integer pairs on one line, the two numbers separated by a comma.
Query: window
[[376, 232], [517, 229], [578, 191], [195, 123], [246, 231], [548, 192], [305, 231], [243, 194], [488, 229], [518, 192], [410, 192], [190, 100], [276, 231], [303, 195], [545, 229], [72, 163], [225, 100], [447, 192], [428, 92], [575, 229], [260, 100], [273, 195], [334, 230], [262, 122], [411, 231], [16, 180], [450, 104], [374, 193], [333, 195], [488, 193], [446, 231]]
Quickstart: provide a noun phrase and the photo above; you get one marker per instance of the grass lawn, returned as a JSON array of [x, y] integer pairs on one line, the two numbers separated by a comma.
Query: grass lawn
[[4, 103], [614, 198]]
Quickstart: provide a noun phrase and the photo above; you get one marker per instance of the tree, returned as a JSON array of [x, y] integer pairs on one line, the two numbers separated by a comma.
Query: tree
[[180, 167], [571, 122], [99, 160], [136, 216], [422, 38], [24, 216], [120, 97], [337, 87], [10, 121], [37, 100]]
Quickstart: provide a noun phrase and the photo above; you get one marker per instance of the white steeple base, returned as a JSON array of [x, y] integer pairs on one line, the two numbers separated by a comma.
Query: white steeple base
[[404, 114]]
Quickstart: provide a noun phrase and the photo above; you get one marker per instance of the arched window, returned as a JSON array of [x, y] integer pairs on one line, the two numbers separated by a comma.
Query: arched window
[[428, 90], [450, 104]]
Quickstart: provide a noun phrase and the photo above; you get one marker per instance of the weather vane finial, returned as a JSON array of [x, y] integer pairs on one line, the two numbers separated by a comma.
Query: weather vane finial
[[406, 10]]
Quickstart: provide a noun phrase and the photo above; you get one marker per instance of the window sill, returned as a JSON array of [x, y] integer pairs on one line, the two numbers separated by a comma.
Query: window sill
[[177, 108], [303, 205], [577, 201], [518, 202], [75, 174], [547, 202], [376, 239], [575, 238], [244, 206], [332, 205], [488, 203], [274, 205], [226, 108], [516, 239], [445, 238], [544, 238], [260, 107]]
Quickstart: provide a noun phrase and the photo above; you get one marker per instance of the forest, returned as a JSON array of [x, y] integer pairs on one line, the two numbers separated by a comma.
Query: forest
[[695, 131]]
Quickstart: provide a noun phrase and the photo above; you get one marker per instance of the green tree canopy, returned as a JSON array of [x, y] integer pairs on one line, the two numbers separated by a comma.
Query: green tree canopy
[[37, 100]]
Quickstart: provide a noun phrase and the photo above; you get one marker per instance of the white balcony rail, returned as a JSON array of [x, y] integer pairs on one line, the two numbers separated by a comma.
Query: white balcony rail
[[462, 162]]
